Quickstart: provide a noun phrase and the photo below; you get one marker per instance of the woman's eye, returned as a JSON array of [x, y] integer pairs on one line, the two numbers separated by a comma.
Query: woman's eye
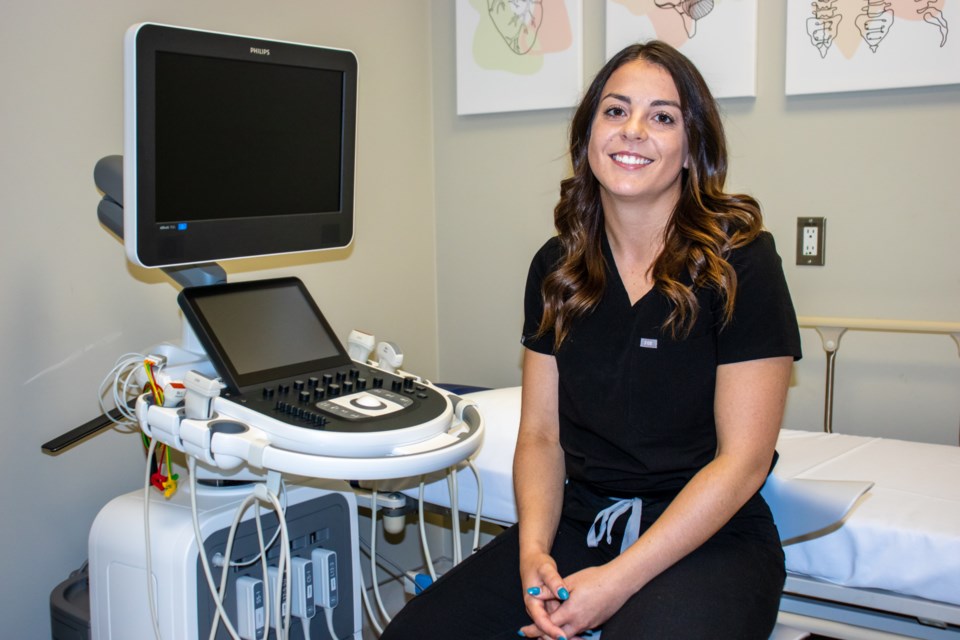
[[615, 112], [664, 118]]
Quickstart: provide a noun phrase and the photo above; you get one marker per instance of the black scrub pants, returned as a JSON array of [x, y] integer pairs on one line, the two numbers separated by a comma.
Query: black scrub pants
[[729, 588]]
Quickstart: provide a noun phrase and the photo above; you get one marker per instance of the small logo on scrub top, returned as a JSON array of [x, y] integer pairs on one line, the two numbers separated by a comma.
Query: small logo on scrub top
[[648, 343]]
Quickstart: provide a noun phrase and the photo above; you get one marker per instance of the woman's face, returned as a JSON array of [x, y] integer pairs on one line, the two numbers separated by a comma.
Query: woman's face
[[638, 142]]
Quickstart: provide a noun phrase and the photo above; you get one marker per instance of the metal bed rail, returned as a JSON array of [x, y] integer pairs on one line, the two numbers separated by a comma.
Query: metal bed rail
[[832, 329], [854, 613]]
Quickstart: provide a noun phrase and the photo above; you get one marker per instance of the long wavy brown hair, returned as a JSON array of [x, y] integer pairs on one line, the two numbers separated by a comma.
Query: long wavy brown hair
[[705, 225]]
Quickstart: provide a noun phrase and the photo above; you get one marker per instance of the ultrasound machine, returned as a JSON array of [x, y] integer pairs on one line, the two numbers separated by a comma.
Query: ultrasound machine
[[237, 147]]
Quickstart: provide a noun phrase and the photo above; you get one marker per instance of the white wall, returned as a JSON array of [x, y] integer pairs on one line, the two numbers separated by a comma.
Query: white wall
[[72, 304], [878, 165]]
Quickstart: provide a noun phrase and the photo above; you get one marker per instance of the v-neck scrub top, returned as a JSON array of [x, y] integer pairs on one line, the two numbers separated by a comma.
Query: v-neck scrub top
[[636, 405]]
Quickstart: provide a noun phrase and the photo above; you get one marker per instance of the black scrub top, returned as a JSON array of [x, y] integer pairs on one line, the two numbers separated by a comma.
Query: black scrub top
[[635, 404]]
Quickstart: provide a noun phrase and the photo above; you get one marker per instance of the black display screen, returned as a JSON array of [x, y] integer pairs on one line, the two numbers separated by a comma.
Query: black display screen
[[237, 138]]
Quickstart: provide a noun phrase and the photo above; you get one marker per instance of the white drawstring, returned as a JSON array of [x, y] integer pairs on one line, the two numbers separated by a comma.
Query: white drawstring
[[604, 521]]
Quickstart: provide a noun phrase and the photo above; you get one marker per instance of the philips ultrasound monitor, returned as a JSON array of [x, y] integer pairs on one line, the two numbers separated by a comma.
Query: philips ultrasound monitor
[[235, 146]]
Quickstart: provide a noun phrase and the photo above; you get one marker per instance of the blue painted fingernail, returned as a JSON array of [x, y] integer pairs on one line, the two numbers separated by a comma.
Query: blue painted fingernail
[[561, 638], [520, 633], [534, 591], [563, 594]]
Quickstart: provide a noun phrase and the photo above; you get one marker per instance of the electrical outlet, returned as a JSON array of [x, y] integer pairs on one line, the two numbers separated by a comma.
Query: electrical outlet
[[811, 236]]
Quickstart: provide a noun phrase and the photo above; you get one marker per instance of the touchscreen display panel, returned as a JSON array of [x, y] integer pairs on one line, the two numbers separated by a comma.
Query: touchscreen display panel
[[258, 332]]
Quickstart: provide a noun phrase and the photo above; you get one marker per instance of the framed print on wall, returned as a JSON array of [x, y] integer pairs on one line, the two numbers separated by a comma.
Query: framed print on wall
[[857, 45], [518, 55], [719, 36]]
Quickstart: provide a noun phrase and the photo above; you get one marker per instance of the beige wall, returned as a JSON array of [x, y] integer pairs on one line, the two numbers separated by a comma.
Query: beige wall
[[878, 165], [72, 305]]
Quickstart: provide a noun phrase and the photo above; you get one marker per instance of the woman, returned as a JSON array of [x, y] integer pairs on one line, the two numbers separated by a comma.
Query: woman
[[659, 338]]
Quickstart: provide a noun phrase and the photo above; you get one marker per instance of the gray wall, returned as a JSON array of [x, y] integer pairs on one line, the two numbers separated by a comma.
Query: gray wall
[[878, 165]]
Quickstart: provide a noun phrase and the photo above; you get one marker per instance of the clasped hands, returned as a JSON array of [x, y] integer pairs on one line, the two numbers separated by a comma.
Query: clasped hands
[[561, 608]]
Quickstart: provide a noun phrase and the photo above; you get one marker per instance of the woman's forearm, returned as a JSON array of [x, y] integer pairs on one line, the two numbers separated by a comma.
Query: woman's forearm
[[538, 474], [538, 465], [705, 505]]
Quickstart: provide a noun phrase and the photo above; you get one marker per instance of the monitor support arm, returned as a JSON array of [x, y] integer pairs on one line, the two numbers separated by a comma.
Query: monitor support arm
[[108, 176]]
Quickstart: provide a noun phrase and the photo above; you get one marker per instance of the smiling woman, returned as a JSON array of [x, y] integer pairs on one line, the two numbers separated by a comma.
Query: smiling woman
[[704, 222], [637, 144], [644, 394]]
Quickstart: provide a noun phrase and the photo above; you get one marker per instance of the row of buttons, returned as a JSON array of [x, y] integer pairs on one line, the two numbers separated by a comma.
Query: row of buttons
[[292, 410], [329, 388]]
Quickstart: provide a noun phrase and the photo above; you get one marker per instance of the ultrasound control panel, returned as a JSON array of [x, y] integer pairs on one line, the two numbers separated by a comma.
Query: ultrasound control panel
[[352, 398], [278, 356]]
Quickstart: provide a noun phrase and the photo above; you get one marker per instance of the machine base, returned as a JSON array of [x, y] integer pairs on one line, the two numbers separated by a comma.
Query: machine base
[[318, 516]]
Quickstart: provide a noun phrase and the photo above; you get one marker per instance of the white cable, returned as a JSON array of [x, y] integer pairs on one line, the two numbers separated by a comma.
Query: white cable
[[192, 470], [264, 571], [154, 616], [228, 551], [262, 492], [454, 515], [273, 540], [120, 400], [375, 509], [120, 392], [104, 385], [476, 531], [283, 627], [423, 536], [366, 605], [328, 614], [284, 571], [224, 570]]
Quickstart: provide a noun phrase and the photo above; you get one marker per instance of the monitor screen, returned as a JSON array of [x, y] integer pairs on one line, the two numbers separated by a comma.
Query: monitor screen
[[261, 331], [235, 146]]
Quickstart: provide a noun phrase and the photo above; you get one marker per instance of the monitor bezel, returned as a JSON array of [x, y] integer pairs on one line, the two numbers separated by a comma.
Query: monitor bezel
[[191, 301], [232, 238]]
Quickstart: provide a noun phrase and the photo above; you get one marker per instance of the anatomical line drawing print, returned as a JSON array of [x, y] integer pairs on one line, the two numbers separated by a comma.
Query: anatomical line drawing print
[[720, 36], [517, 21], [852, 45], [516, 55], [690, 11], [934, 16], [873, 22], [823, 24]]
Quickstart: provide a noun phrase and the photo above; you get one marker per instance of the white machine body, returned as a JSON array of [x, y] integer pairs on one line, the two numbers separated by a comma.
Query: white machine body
[[118, 581]]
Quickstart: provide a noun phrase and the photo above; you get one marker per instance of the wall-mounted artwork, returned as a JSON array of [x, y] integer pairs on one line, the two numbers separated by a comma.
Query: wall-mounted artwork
[[517, 55], [719, 36], [856, 45]]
